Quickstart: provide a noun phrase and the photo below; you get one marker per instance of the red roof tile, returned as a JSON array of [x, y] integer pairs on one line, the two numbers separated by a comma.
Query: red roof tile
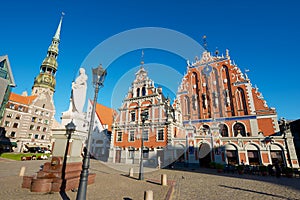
[[106, 115], [21, 99]]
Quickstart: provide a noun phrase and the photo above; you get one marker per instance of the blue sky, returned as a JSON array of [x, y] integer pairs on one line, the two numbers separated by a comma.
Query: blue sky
[[261, 36]]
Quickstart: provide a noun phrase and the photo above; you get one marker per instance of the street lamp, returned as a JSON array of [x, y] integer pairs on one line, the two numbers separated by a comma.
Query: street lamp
[[70, 128], [99, 75], [144, 116]]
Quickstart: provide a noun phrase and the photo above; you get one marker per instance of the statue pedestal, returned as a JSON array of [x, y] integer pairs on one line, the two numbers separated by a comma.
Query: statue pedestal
[[63, 172]]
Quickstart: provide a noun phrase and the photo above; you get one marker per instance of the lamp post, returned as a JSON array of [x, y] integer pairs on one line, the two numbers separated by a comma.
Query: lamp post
[[70, 128], [99, 75], [144, 116]]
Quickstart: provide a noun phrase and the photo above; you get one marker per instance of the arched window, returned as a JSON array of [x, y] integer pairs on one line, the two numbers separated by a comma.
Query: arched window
[[194, 83], [239, 128], [206, 129], [143, 91], [187, 105], [223, 130], [138, 92], [241, 101], [229, 92]]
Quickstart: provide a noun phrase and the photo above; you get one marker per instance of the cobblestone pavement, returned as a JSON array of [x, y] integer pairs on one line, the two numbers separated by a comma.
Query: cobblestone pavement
[[190, 183]]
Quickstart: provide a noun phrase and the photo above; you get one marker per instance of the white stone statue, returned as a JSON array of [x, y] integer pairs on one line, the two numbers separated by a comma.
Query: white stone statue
[[79, 87]]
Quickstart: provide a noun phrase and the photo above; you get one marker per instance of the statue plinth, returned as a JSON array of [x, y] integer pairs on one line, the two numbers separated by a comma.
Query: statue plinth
[[62, 173]]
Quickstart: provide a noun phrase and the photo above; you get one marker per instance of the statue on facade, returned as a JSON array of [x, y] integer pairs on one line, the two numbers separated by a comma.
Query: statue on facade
[[79, 87]]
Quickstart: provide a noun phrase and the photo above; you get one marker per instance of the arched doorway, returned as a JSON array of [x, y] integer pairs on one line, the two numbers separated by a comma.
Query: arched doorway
[[204, 155], [253, 155], [276, 154], [231, 154], [180, 154]]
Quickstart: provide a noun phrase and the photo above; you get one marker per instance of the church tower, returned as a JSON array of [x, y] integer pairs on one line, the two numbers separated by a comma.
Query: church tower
[[45, 81]]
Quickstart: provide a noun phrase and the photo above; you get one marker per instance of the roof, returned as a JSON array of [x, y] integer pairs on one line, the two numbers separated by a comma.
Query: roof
[[105, 115], [21, 99]]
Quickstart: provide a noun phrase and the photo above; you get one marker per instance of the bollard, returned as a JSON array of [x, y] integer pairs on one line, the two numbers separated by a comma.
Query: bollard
[[164, 179], [131, 172], [22, 171], [148, 195]]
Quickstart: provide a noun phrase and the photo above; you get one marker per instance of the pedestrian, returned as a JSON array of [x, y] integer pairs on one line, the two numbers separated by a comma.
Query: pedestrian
[[277, 169], [158, 163]]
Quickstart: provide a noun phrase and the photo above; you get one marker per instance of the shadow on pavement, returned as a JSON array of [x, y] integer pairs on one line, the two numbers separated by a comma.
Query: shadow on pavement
[[194, 168], [247, 190]]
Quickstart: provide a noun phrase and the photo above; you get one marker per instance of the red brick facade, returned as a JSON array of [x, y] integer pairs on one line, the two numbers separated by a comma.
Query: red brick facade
[[221, 108]]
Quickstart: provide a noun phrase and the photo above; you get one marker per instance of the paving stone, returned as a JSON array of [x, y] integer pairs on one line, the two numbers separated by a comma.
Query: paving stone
[[116, 185]]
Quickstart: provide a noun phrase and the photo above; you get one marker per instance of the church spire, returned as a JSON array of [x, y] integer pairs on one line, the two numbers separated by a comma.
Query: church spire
[[45, 81], [57, 33]]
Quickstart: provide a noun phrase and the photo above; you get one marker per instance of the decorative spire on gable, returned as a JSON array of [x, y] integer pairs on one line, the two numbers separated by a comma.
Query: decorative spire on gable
[[204, 42]]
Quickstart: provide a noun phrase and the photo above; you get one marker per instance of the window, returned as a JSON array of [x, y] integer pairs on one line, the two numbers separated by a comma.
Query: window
[[30, 135], [186, 105], [40, 121], [44, 129], [143, 91], [206, 129], [42, 137], [146, 111], [13, 134], [2, 64], [119, 137], [241, 101], [31, 127], [36, 136], [239, 128], [46, 121], [47, 114], [138, 92], [15, 125], [43, 105], [33, 119], [133, 116], [18, 116], [160, 135], [223, 130], [6, 123], [20, 108], [146, 135], [9, 115], [131, 136], [12, 106], [38, 128]]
